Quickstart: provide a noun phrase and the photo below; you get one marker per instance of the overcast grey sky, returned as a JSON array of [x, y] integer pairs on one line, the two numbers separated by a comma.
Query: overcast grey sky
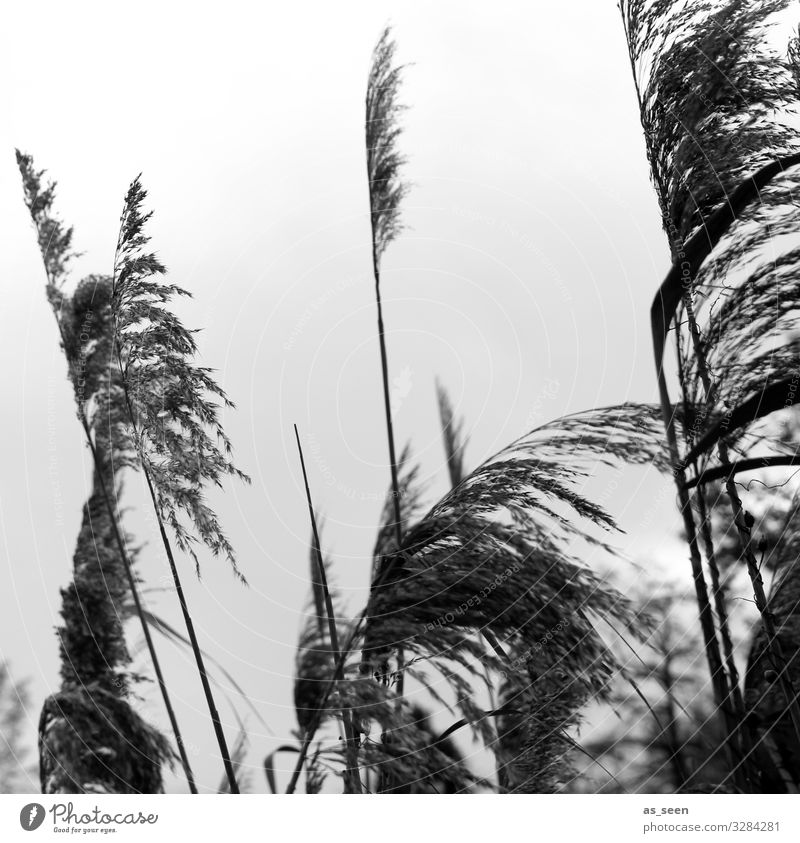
[[523, 281]]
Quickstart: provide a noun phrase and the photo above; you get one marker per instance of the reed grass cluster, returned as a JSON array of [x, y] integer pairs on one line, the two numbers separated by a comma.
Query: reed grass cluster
[[485, 608]]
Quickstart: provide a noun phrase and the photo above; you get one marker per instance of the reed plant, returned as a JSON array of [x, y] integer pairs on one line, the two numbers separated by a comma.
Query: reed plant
[[93, 650], [486, 604], [144, 405], [714, 98]]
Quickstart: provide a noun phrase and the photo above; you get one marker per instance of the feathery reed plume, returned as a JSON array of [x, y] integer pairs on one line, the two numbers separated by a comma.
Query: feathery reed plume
[[177, 435], [708, 86], [492, 555], [708, 105], [386, 191], [173, 432], [384, 161], [627, 433], [395, 773], [103, 569], [454, 444]]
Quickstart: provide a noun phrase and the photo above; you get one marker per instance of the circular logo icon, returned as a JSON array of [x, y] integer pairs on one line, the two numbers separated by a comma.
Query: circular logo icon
[[31, 816]]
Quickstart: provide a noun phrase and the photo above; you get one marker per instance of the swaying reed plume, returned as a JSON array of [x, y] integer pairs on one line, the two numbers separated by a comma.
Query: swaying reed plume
[[81, 751], [495, 554], [171, 430], [712, 95], [386, 192]]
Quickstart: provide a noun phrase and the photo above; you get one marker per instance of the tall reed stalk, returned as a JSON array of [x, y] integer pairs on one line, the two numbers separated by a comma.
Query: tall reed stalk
[[168, 415], [386, 191], [352, 775]]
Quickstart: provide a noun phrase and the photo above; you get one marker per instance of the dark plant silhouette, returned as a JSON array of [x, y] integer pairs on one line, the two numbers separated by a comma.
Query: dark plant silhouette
[[712, 95], [94, 654]]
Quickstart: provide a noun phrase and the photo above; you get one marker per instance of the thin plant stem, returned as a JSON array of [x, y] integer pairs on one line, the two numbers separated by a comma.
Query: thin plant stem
[[352, 776], [720, 606], [198, 654], [387, 403], [736, 701], [385, 194]]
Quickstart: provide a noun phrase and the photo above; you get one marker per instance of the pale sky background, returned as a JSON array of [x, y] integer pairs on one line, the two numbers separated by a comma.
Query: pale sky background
[[524, 281]]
